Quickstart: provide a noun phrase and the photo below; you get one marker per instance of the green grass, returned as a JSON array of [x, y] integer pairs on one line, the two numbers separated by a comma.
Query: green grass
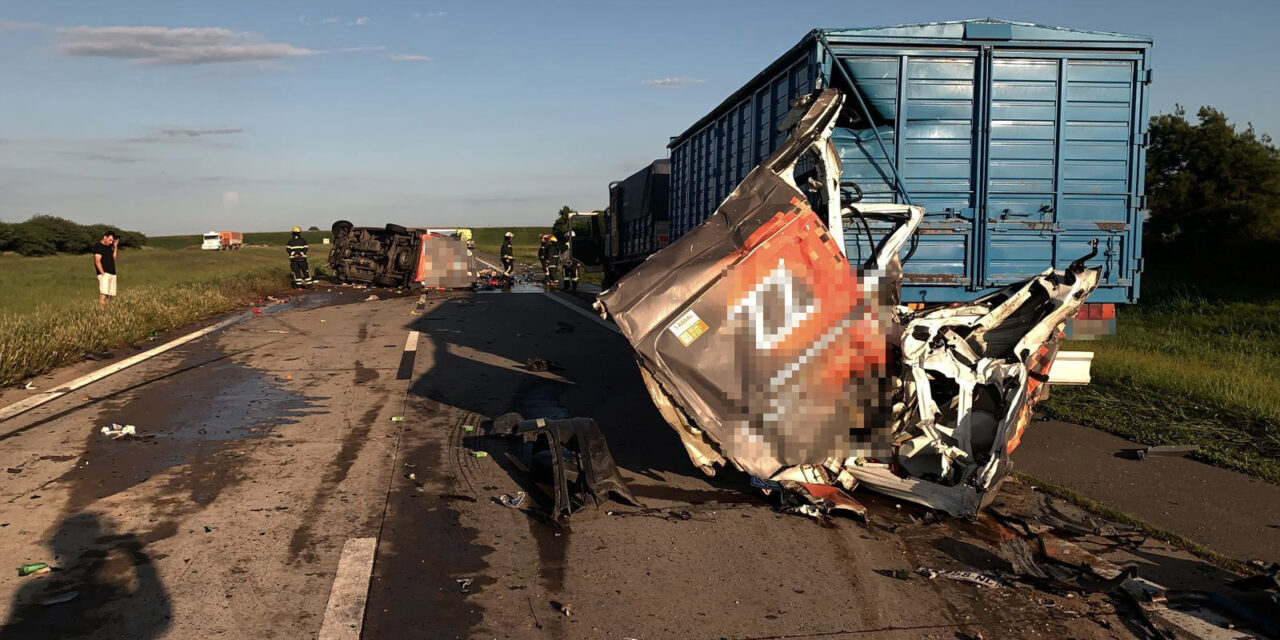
[[49, 314], [30, 284], [1188, 368]]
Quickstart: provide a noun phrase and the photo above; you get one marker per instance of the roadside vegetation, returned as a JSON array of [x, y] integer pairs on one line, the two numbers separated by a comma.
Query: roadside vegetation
[[49, 314], [1197, 361]]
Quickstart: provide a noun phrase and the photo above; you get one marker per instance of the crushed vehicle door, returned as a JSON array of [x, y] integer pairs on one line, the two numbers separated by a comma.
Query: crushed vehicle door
[[763, 347]]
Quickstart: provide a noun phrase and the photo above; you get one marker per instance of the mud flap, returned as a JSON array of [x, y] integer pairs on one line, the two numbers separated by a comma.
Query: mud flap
[[573, 455]]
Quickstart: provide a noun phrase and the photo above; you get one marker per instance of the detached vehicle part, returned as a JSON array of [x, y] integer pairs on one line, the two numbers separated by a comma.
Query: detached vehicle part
[[396, 256], [764, 348], [570, 457]]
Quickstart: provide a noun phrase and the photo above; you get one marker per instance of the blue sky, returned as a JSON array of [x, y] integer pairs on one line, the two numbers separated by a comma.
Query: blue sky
[[178, 117]]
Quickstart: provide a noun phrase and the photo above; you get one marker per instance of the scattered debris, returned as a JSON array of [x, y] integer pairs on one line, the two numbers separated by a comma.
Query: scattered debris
[[465, 584], [466, 428], [397, 418], [66, 596], [118, 431], [512, 500], [372, 297], [479, 454], [563, 607], [1165, 450], [537, 364], [818, 500], [33, 568], [980, 579], [29, 386], [571, 456]]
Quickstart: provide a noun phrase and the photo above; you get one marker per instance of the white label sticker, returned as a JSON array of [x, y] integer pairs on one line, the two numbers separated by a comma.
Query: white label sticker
[[688, 327]]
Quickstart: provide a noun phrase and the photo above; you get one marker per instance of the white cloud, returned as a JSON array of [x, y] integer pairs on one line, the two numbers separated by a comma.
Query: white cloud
[[359, 22], [230, 198], [155, 46], [673, 83], [183, 134], [10, 25], [359, 49], [407, 57]]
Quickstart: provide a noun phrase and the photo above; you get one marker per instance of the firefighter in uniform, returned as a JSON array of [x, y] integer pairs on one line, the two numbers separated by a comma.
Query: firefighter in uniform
[[297, 250], [547, 255], [570, 269], [508, 255]]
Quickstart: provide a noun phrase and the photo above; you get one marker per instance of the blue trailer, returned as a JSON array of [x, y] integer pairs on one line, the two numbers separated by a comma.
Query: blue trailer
[[1022, 142]]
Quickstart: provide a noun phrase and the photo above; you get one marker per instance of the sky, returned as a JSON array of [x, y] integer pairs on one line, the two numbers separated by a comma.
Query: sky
[[175, 117]]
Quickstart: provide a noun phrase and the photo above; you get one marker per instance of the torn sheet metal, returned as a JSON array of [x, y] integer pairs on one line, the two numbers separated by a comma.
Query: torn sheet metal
[[763, 348], [571, 457]]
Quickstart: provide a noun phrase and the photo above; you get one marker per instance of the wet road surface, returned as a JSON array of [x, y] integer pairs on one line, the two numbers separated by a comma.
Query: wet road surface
[[266, 447]]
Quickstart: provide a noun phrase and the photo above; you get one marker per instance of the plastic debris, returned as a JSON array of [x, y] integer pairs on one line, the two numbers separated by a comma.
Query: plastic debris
[[397, 418], [29, 386], [119, 431], [479, 454], [980, 579], [468, 428], [513, 500], [372, 297], [33, 568]]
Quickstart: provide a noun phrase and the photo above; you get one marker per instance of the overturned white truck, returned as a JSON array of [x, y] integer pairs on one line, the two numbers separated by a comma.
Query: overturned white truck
[[764, 348]]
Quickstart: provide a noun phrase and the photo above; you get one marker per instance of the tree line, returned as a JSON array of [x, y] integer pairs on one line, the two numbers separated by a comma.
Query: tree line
[[44, 235]]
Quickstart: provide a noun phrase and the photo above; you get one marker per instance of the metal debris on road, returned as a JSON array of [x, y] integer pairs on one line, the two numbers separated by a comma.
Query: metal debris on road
[[571, 456], [1166, 450], [60, 598], [465, 584], [512, 500], [980, 579], [397, 418], [537, 364]]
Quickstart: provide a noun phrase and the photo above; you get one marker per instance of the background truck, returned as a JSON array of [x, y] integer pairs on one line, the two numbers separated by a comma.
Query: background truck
[[636, 222], [1022, 142], [222, 240]]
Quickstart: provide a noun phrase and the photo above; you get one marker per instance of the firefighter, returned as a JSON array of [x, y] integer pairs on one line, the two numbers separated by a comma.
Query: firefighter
[[546, 254], [297, 250], [508, 255], [570, 269]]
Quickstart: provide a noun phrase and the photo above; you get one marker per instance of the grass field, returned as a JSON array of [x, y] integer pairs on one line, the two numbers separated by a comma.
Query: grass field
[[49, 314], [1188, 366], [270, 238]]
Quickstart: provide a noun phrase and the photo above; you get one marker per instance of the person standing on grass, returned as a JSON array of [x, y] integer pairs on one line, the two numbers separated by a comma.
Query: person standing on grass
[[104, 265]]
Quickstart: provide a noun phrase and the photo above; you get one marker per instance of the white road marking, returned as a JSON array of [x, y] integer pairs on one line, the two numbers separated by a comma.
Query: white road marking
[[32, 402], [411, 344], [579, 310], [489, 264], [344, 615]]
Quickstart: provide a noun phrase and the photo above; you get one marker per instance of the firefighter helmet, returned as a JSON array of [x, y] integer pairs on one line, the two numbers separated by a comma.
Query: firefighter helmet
[[297, 229]]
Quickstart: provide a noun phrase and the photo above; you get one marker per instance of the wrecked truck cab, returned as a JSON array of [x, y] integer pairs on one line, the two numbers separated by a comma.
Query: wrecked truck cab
[[763, 347], [397, 256]]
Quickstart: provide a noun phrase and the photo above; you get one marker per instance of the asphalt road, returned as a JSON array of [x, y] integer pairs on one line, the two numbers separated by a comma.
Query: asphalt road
[[272, 495]]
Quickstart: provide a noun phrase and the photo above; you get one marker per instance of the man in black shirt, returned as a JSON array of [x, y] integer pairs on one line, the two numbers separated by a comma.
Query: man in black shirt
[[104, 265]]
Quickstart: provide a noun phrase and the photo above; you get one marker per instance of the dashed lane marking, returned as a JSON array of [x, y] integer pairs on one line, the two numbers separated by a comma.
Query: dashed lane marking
[[406, 359], [344, 615]]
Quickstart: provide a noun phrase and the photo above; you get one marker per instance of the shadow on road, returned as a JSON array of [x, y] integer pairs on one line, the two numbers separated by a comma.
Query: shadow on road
[[113, 588]]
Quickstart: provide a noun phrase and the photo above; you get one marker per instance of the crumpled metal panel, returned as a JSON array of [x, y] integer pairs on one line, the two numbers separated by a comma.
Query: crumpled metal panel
[[762, 347]]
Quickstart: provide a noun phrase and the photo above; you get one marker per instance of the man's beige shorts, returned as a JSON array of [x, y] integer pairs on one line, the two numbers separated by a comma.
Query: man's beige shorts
[[107, 284]]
